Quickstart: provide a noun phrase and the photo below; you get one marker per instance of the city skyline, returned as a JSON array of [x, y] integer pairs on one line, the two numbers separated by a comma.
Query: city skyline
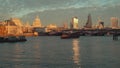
[[59, 12]]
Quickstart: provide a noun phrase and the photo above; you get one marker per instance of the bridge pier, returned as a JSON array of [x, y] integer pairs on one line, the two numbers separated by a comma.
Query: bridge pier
[[115, 35]]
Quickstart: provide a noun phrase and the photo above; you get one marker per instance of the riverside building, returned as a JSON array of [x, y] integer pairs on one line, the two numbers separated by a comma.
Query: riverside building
[[37, 22], [114, 22], [74, 23], [89, 22], [100, 24], [10, 27]]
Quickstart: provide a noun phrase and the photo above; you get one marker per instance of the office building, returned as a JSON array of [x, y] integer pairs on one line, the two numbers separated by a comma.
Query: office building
[[114, 22], [74, 23], [89, 22]]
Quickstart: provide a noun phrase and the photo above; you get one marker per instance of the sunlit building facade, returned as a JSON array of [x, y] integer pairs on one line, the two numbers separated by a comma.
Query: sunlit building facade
[[10, 28], [52, 26], [74, 23], [37, 22], [114, 22], [2, 30], [17, 21], [18, 24], [27, 28], [100, 24]]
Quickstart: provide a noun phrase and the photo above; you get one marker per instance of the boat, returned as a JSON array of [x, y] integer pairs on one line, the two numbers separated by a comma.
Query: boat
[[13, 39], [2, 39], [70, 34], [21, 38], [55, 33]]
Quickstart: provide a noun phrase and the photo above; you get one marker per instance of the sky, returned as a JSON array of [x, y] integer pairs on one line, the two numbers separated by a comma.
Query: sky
[[60, 11]]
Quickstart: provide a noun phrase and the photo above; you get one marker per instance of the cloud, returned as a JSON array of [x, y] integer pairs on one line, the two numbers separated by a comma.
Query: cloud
[[20, 8]]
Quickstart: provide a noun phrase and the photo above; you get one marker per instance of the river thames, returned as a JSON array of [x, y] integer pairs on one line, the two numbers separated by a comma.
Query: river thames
[[54, 52]]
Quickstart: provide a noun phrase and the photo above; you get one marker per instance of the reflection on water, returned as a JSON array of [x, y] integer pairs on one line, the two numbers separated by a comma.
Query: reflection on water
[[76, 56], [37, 52], [18, 52], [25, 53], [53, 52]]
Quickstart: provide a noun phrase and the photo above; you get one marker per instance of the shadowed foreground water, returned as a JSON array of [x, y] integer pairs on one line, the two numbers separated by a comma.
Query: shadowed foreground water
[[53, 52]]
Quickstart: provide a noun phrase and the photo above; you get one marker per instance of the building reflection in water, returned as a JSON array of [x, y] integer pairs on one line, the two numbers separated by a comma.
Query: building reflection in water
[[18, 53], [76, 53], [37, 52]]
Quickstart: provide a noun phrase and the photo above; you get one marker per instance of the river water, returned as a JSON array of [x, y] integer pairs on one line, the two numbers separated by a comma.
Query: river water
[[53, 52]]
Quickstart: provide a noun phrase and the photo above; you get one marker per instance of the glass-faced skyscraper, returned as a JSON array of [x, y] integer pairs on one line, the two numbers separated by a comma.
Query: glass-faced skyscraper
[[74, 23], [89, 22]]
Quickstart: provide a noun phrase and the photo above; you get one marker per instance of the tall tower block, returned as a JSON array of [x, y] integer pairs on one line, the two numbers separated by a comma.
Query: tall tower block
[[89, 22], [74, 23]]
